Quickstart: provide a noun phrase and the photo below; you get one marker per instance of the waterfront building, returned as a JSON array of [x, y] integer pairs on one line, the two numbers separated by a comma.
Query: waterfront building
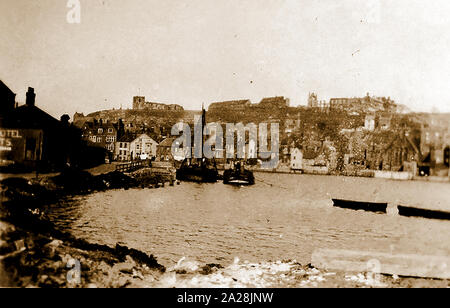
[[30, 137], [103, 134], [296, 162], [164, 150], [143, 147], [435, 142], [123, 148], [388, 151]]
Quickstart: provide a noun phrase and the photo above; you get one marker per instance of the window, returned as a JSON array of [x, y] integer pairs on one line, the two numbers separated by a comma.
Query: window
[[110, 130], [110, 139], [99, 139], [100, 130]]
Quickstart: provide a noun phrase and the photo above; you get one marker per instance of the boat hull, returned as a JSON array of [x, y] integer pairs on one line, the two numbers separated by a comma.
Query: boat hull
[[424, 213], [197, 175], [377, 207], [232, 178]]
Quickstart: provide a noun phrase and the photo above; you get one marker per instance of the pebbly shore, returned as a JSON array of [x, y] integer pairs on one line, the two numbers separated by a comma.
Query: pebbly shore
[[35, 254]]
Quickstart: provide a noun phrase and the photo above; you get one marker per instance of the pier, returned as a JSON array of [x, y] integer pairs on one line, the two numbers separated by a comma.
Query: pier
[[133, 166]]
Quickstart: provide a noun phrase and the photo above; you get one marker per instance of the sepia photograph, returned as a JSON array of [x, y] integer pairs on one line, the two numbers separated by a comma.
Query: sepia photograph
[[226, 150]]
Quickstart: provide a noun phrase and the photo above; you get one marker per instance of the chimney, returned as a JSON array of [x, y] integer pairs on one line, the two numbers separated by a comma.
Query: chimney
[[65, 119], [31, 96]]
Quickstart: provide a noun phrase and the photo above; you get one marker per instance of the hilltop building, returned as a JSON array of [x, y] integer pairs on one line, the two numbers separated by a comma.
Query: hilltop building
[[363, 104], [277, 102], [139, 103], [312, 100], [230, 105], [268, 103]]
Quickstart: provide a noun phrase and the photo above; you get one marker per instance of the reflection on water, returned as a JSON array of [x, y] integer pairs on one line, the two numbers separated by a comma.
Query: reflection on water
[[281, 217]]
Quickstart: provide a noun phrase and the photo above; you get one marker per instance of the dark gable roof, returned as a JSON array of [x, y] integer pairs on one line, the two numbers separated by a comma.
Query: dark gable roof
[[127, 138], [167, 142], [274, 101], [5, 88], [32, 117]]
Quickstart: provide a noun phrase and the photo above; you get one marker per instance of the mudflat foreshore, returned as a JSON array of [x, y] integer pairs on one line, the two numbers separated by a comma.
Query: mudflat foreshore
[[33, 253]]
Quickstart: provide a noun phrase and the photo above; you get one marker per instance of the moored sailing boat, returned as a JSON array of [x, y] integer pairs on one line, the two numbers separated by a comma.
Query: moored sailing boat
[[200, 170]]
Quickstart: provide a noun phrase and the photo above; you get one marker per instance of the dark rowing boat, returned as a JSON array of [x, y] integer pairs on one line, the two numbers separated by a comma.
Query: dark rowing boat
[[416, 212], [378, 207]]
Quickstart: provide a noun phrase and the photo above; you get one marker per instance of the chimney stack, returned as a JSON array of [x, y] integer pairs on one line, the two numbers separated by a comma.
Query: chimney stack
[[31, 96]]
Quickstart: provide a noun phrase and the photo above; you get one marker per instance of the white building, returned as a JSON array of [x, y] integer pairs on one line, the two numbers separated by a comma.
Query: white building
[[369, 123], [296, 159], [143, 147]]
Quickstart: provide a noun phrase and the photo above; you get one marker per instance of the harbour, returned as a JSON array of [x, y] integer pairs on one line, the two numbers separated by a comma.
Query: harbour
[[281, 217]]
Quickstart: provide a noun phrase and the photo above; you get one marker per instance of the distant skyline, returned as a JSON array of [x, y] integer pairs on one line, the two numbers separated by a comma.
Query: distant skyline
[[201, 51]]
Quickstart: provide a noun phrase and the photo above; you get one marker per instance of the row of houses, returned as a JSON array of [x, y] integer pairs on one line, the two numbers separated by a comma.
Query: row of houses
[[125, 145], [364, 104], [30, 138]]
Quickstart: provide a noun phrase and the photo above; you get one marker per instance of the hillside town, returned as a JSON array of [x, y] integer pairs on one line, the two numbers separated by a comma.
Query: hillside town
[[344, 136]]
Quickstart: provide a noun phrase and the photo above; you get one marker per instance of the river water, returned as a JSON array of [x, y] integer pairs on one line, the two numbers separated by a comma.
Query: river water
[[283, 216]]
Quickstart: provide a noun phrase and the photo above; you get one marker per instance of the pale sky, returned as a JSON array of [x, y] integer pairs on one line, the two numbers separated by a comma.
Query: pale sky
[[191, 52]]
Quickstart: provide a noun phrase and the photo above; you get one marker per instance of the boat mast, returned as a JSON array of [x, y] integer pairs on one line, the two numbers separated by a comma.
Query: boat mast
[[203, 129]]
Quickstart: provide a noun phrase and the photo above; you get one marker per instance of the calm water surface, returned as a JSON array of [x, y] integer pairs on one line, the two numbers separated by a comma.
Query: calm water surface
[[282, 217]]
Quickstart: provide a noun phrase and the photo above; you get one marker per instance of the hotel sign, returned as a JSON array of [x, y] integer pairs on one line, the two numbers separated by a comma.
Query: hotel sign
[[6, 136]]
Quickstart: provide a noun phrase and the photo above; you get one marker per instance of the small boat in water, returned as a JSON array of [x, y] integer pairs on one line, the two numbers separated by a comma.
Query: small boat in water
[[197, 171], [361, 205], [424, 213], [238, 175]]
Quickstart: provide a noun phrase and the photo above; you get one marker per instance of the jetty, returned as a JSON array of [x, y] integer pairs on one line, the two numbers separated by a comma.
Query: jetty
[[149, 173]]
